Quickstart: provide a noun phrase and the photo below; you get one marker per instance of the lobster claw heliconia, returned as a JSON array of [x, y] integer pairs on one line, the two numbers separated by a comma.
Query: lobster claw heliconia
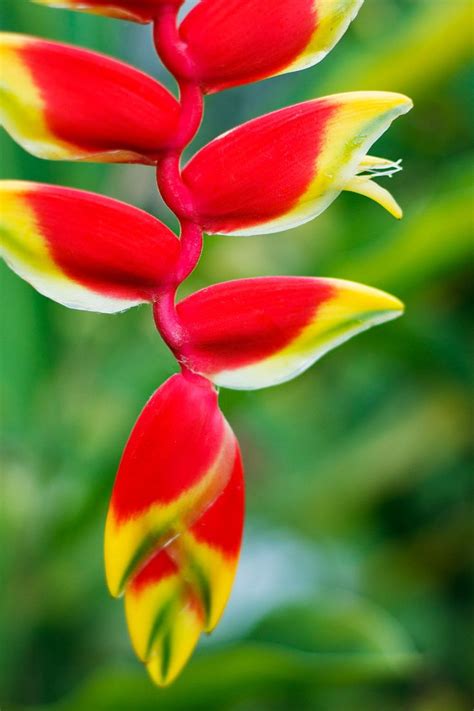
[[256, 39], [81, 250], [64, 103], [253, 333], [283, 169], [174, 525]]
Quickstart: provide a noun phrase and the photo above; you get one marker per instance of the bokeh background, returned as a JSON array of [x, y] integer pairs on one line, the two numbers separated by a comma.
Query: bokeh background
[[354, 589]]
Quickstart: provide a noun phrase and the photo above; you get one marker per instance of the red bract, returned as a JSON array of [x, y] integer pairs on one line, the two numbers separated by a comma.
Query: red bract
[[84, 250], [181, 430], [62, 102], [174, 525], [253, 333], [256, 39], [285, 168]]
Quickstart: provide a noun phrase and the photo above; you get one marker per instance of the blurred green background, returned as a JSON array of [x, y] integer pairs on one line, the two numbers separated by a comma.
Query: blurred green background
[[354, 590]]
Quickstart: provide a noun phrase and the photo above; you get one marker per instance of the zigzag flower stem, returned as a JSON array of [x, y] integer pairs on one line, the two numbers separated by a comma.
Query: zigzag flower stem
[[174, 55]]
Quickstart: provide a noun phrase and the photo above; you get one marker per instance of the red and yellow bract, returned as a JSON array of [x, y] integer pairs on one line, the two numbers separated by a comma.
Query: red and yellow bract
[[183, 589], [61, 102], [285, 168], [81, 249], [257, 39], [253, 333], [177, 461], [174, 526], [233, 42]]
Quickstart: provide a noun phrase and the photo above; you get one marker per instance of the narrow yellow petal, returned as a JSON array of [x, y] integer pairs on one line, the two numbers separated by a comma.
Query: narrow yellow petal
[[361, 118], [364, 185], [374, 162], [379, 166]]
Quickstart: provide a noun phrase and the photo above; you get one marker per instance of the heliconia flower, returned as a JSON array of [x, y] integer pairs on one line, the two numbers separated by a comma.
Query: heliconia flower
[[84, 250], [253, 333], [174, 526], [238, 41], [183, 589], [135, 10], [179, 459], [281, 170], [62, 102]]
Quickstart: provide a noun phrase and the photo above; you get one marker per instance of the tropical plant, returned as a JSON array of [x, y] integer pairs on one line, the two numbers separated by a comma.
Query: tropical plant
[[175, 520]]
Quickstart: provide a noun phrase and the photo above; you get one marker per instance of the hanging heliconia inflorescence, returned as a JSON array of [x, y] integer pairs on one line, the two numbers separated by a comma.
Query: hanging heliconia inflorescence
[[174, 526]]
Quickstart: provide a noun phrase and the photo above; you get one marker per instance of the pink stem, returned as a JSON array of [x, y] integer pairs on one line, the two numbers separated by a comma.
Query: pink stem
[[178, 197], [173, 190], [191, 248], [165, 314], [169, 45], [166, 318], [192, 111]]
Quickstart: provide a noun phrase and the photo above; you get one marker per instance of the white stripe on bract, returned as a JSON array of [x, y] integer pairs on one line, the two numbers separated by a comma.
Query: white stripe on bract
[[69, 293], [282, 367]]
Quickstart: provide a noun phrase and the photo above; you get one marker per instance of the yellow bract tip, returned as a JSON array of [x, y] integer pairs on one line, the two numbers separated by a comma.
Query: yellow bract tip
[[365, 302], [14, 40], [364, 185]]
